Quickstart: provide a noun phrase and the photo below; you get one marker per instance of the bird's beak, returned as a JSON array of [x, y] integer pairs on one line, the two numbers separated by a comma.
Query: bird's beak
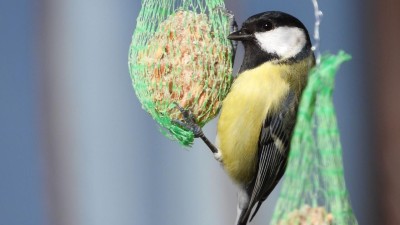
[[240, 36]]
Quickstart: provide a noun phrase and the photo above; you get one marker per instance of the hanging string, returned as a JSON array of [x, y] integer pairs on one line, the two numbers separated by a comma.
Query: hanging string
[[318, 17]]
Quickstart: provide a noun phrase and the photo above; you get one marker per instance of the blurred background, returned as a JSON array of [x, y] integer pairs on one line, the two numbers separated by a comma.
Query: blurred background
[[77, 149]]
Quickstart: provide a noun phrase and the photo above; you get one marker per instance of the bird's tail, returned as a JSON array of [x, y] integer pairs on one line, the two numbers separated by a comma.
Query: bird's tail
[[243, 218]]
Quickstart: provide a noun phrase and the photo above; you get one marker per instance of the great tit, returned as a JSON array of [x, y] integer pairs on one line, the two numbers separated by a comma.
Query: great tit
[[259, 113]]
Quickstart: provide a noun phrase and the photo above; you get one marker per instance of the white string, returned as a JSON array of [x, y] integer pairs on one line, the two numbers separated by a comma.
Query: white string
[[318, 17]]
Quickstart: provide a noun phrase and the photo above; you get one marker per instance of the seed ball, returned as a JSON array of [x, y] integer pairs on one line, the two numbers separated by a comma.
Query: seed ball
[[185, 63], [307, 215]]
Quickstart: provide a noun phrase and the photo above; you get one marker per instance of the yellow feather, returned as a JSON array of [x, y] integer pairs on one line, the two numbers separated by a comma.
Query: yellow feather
[[254, 94]]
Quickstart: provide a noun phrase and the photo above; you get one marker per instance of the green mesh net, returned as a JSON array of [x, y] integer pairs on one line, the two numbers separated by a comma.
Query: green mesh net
[[180, 55], [314, 191]]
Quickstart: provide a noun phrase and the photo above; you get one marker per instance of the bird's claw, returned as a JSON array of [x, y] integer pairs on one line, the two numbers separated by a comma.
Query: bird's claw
[[188, 122], [232, 26], [232, 21], [225, 11]]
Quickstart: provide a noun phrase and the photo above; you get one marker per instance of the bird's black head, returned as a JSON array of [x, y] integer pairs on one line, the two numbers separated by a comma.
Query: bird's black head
[[273, 35]]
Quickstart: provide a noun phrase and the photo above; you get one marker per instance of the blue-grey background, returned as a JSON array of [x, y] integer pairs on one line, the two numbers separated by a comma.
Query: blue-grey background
[[77, 149]]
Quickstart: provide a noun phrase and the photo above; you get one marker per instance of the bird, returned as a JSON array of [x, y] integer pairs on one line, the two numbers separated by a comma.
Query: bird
[[258, 115]]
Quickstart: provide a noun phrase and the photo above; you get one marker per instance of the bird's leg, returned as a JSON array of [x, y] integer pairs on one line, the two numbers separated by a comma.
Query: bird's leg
[[233, 28], [189, 123]]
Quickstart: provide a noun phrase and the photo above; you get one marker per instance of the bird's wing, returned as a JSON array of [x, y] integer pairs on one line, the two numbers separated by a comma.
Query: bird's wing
[[273, 147]]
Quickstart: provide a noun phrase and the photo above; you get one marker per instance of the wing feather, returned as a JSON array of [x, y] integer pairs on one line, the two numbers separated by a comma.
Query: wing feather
[[273, 149]]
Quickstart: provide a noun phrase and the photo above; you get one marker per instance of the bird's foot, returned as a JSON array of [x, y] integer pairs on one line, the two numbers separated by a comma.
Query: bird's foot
[[232, 26], [188, 122], [228, 13]]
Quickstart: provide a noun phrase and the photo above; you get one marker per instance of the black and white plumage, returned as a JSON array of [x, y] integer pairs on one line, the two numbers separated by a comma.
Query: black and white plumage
[[281, 42], [259, 113], [273, 147]]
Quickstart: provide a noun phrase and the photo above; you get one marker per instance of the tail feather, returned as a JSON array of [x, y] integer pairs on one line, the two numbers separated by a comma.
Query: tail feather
[[256, 210], [243, 218]]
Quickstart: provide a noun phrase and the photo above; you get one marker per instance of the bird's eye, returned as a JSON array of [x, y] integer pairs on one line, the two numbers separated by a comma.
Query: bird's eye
[[267, 26]]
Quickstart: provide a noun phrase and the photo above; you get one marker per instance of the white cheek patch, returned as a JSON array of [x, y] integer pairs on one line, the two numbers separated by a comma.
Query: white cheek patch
[[286, 42]]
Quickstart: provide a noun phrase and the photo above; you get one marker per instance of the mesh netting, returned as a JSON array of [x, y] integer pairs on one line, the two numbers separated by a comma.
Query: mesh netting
[[314, 191], [180, 54]]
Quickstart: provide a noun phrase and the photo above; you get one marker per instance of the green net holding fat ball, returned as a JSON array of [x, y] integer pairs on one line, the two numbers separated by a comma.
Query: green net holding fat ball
[[314, 191], [180, 55]]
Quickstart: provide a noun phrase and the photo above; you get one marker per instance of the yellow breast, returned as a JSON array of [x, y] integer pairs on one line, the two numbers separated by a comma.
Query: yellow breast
[[254, 94]]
